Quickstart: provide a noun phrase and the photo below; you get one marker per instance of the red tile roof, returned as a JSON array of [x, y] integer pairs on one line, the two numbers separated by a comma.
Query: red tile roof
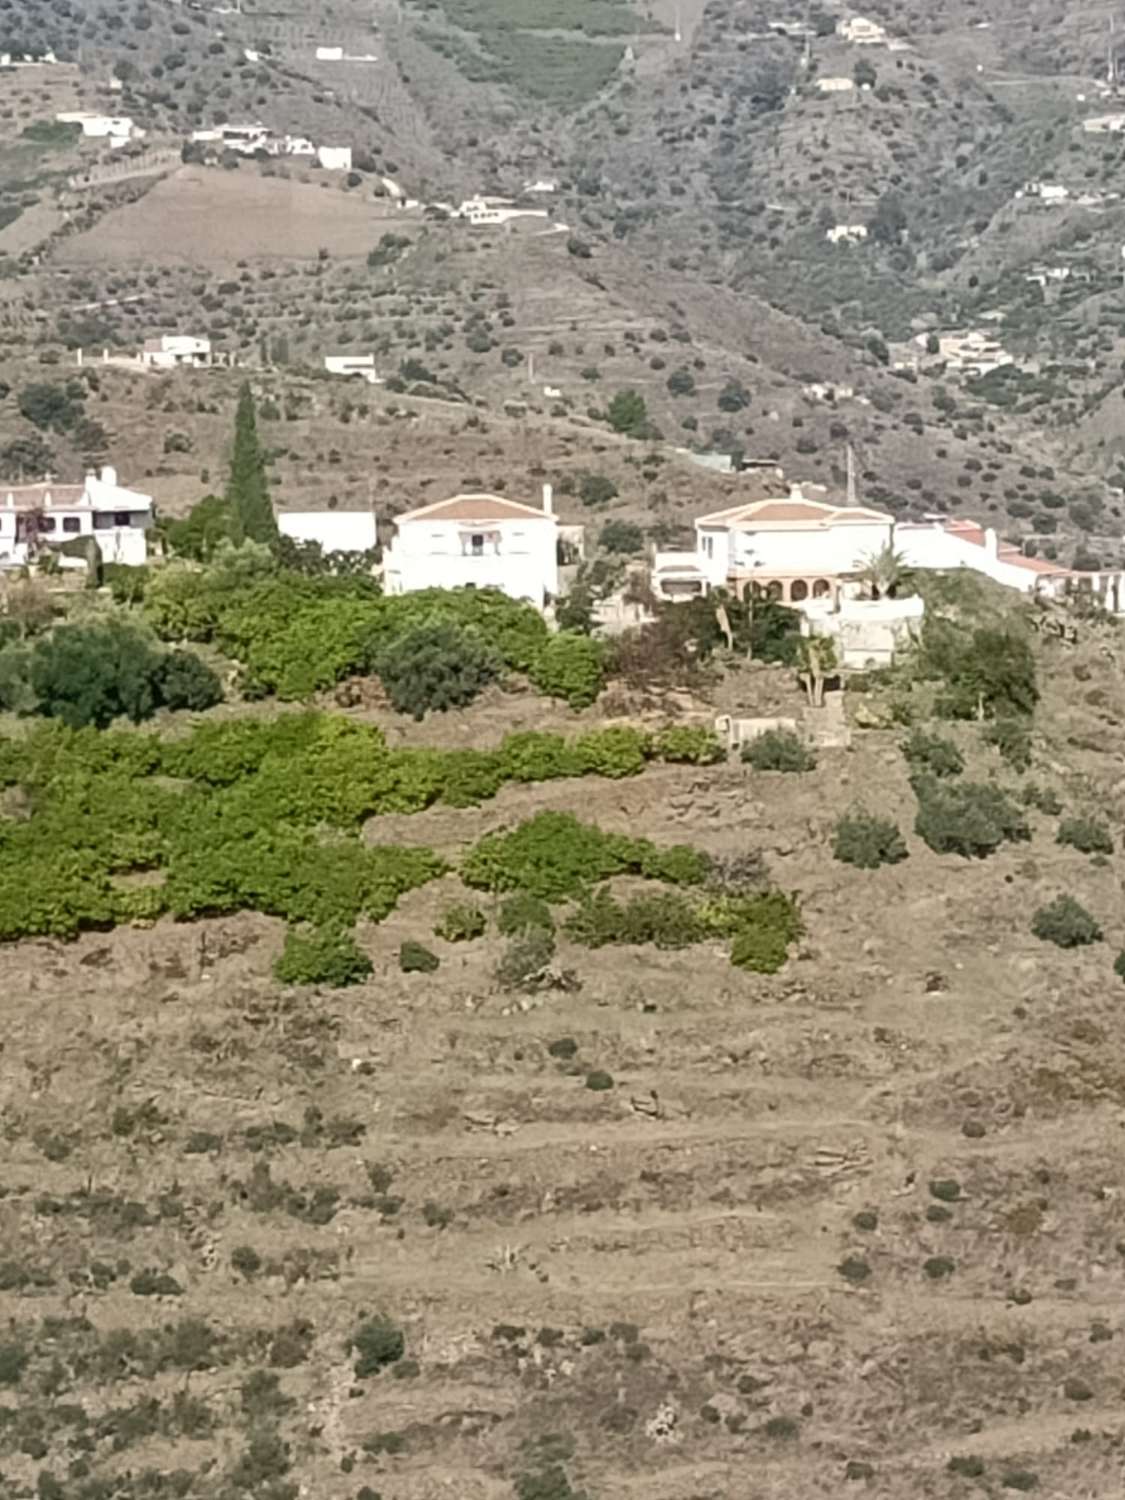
[[475, 508]]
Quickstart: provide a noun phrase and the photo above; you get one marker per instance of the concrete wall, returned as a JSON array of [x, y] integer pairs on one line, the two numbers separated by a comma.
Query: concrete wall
[[812, 553]]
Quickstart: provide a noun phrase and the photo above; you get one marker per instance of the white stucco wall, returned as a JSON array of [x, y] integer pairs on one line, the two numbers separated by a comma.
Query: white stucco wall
[[933, 547], [808, 553], [523, 563]]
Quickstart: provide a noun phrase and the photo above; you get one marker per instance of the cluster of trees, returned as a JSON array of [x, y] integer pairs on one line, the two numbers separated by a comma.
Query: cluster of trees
[[93, 674]]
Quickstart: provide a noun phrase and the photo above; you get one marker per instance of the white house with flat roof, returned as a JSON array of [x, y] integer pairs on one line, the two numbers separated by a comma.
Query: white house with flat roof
[[477, 541], [173, 351], [35, 517]]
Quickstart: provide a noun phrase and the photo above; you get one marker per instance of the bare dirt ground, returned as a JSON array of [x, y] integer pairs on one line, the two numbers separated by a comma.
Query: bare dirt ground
[[202, 217], [651, 1273]]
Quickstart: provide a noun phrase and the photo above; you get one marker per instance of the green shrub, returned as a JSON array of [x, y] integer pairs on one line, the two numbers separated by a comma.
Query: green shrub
[[1066, 923], [623, 537], [990, 673], [554, 856], [665, 919], [1012, 738], [245, 1260], [436, 668], [326, 955], [186, 681], [968, 818], [779, 750], [526, 963], [764, 927], [1119, 965], [376, 1343], [867, 841], [599, 1081], [854, 1269], [939, 1267], [932, 753], [532, 756], [613, 753], [1088, 835], [523, 913], [91, 674], [689, 745], [571, 667], [461, 924], [126, 584], [413, 958], [946, 1189], [1043, 798]]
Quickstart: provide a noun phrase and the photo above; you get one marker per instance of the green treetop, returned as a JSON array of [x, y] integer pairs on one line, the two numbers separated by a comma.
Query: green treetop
[[252, 517]]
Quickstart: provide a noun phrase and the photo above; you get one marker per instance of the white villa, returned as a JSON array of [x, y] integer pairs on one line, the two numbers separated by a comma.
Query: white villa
[[496, 211], [481, 541], [355, 366], [116, 129], [37, 516], [862, 32], [793, 549], [174, 351]]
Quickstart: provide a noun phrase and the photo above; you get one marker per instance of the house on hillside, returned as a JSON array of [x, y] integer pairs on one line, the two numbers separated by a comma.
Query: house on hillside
[[38, 517], [792, 548], [939, 542], [116, 129], [355, 366], [175, 351], [846, 234], [478, 541], [862, 32], [331, 530], [483, 211]]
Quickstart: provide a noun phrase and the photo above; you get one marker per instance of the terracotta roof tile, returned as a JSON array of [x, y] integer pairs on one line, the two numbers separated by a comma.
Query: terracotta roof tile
[[36, 494], [475, 508]]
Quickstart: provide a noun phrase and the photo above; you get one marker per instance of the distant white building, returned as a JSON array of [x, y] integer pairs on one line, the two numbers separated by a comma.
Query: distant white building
[[174, 351], [835, 85], [541, 185], [335, 158], [861, 32], [496, 211], [37, 517], [1104, 124], [116, 129], [974, 352], [482, 541], [940, 542], [846, 234], [332, 530], [357, 366]]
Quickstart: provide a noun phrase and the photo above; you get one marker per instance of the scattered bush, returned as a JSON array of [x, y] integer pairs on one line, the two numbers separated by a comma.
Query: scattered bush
[[968, 818], [1012, 738], [599, 1081], [938, 1267], [854, 1269], [764, 926], [436, 668], [945, 1189], [571, 667], [665, 919], [522, 913], [867, 841], [779, 750], [326, 955], [461, 924], [1119, 965], [526, 964], [413, 958], [689, 745], [932, 753], [376, 1344], [621, 537], [1043, 798], [1066, 923], [1087, 835]]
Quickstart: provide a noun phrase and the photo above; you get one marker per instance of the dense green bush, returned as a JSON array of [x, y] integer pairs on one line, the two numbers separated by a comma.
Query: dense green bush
[[666, 919], [1044, 798], [623, 537], [126, 584], [461, 923], [867, 841], [413, 958], [326, 955], [779, 750], [931, 753], [1012, 737], [1066, 923], [435, 668], [553, 856], [184, 680], [92, 674], [967, 818], [616, 752], [990, 673], [766, 926], [523, 913], [570, 667], [1088, 835], [376, 1343], [689, 745]]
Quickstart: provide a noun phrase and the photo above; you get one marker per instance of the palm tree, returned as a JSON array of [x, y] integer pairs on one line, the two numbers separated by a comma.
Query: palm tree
[[882, 572], [816, 661]]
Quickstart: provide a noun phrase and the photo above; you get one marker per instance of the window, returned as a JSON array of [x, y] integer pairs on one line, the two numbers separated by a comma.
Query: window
[[709, 546], [476, 545], [121, 518], [71, 524], [46, 523]]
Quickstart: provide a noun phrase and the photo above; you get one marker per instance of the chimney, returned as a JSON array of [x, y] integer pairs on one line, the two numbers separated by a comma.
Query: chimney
[[548, 500], [991, 546], [109, 474], [796, 492]]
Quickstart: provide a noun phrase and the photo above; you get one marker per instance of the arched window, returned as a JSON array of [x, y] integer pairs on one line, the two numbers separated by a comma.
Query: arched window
[[821, 588], [798, 590], [773, 590]]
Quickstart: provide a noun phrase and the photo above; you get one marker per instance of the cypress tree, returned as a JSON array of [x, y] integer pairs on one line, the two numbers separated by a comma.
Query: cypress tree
[[252, 517]]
